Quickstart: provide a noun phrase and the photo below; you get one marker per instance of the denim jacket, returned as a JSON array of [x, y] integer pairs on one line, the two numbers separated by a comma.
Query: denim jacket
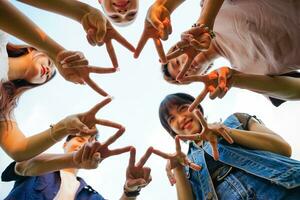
[[276, 168], [44, 187]]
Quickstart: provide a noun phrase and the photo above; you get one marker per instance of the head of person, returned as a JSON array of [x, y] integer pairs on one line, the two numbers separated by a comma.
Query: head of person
[[171, 69], [120, 12], [38, 69], [75, 142], [175, 117]]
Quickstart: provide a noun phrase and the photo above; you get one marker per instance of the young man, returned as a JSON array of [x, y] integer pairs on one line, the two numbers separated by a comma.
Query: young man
[[33, 183]]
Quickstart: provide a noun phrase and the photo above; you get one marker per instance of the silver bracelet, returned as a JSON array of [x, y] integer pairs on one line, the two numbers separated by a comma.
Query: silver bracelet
[[206, 28], [51, 135]]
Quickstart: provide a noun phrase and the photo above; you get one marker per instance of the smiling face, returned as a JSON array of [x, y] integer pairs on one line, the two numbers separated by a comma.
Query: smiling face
[[183, 122], [120, 12], [41, 68]]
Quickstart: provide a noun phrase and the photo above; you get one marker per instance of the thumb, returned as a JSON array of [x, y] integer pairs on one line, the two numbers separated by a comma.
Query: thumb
[[81, 127], [101, 31]]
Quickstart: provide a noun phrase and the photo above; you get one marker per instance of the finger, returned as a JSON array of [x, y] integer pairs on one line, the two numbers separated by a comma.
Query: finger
[[76, 63], [185, 68], [147, 174], [195, 166], [215, 93], [100, 105], [135, 182], [118, 37], [95, 87], [81, 127], [198, 99], [131, 163], [175, 54], [177, 143], [164, 32], [190, 137], [225, 135], [162, 154], [111, 52], [140, 45], [102, 70], [119, 151], [73, 55], [222, 78], [170, 175], [95, 146], [86, 152], [160, 50], [96, 159], [145, 157], [101, 32], [194, 78], [108, 123], [90, 40], [215, 151], [113, 138], [200, 117]]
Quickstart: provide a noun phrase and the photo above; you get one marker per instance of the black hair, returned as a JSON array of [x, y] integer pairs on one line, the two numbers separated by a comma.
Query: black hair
[[70, 137], [173, 100]]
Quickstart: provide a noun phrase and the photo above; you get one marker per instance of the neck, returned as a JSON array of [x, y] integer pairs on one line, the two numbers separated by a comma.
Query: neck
[[18, 67], [71, 170]]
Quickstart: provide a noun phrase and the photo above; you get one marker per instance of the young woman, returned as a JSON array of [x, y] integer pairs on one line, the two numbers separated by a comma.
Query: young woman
[[239, 159]]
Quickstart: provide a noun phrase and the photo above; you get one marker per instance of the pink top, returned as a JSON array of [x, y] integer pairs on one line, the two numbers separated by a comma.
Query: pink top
[[260, 36]]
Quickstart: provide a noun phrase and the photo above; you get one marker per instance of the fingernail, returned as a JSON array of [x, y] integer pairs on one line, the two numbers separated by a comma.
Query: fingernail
[[118, 69], [111, 97]]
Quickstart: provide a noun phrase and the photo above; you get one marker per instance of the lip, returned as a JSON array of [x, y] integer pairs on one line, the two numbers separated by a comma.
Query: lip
[[121, 4], [187, 124], [43, 71]]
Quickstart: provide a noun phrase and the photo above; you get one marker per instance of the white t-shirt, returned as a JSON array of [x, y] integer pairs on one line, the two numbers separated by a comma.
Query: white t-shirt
[[260, 36], [3, 56], [68, 186]]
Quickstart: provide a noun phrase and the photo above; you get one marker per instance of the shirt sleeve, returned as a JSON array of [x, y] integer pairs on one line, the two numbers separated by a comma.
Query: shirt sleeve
[[9, 174]]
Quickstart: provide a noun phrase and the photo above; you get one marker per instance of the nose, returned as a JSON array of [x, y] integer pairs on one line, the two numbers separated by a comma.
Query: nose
[[122, 11]]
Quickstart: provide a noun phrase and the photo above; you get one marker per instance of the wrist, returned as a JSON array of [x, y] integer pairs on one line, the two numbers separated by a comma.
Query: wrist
[[134, 192], [235, 77], [82, 11], [58, 131]]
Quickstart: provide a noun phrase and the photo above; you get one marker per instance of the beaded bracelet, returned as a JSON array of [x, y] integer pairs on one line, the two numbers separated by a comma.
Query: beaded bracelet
[[132, 193]]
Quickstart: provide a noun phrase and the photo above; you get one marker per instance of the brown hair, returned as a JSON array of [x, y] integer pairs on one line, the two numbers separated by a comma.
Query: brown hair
[[10, 91]]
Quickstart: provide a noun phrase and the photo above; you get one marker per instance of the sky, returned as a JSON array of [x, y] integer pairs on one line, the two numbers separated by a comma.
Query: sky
[[138, 89]]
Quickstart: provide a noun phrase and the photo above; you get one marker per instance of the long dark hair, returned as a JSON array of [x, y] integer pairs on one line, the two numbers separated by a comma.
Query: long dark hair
[[170, 100], [10, 91]]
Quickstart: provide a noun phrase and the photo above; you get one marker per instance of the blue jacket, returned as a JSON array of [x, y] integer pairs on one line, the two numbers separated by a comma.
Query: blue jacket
[[270, 166], [43, 187]]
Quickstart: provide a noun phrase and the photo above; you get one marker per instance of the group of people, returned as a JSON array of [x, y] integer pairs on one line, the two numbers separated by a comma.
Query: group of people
[[239, 158]]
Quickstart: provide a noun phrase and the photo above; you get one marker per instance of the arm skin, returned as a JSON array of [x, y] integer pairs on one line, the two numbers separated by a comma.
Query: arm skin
[[26, 30], [282, 87], [44, 164], [209, 12], [69, 8], [183, 187], [123, 197], [259, 137], [21, 148], [171, 5]]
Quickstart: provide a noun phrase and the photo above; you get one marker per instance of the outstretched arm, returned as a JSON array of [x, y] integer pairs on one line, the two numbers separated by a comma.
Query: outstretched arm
[[282, 87]]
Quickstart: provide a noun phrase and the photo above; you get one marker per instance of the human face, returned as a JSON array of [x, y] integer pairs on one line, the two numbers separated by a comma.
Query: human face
[[183, 122], [77, 142], [41, 68], [120, 12]]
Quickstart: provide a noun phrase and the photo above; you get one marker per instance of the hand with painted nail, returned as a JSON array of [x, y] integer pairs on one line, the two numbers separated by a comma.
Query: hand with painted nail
[[157, 26], [74, 67], [137, 176], [217, 83], [85, 123], [175, 160], [210, 133], [100, 31], [191, 48]]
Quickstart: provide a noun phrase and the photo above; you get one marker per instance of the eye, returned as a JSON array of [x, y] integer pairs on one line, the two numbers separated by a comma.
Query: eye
[[131, 15], [170, 119], [182, 108], [114, 16], [177, 62]]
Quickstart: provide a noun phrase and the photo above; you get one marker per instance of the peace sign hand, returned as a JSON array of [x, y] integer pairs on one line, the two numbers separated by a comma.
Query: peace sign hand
[[175, 160], [157, 26], [100, 31], [85, 122], [73, 66], [91, 154], [137, 175], [210, 133], [217, 83], [187, 46]]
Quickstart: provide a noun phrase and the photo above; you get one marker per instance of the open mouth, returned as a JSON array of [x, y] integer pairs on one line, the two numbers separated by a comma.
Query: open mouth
[[121, 4], [43, 71]]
